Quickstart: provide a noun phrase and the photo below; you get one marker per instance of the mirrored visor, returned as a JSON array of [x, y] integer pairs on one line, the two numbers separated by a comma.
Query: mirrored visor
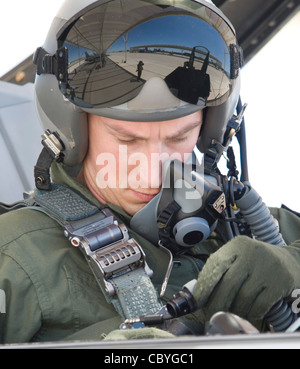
[[116, 47]]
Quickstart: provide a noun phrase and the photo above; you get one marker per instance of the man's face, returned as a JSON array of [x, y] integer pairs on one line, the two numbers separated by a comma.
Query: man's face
[[124, 160]]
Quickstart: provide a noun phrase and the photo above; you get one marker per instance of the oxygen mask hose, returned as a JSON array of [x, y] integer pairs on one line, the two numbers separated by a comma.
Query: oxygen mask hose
[[258, 217], [281, 317]]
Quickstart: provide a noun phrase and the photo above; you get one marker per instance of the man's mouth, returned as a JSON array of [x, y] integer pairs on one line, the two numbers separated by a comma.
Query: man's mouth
[[145, 196]]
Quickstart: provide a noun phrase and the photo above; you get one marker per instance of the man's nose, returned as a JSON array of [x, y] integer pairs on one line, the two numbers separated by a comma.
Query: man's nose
[[150, 167]]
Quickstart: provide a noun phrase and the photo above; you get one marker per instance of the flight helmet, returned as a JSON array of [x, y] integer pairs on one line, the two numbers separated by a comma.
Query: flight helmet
[[136, 60]]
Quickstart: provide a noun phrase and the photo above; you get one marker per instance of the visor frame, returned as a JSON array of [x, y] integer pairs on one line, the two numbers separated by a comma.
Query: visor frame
[[114, 111]]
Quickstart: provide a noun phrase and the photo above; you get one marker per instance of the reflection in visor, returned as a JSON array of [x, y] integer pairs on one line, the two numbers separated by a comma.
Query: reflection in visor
[[112, 54]]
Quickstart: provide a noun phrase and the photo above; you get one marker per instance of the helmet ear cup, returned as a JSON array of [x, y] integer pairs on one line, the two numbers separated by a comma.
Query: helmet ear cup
[[217, 117]]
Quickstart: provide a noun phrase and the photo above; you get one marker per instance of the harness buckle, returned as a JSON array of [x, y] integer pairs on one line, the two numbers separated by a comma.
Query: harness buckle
[[108, 249], [115, 260]]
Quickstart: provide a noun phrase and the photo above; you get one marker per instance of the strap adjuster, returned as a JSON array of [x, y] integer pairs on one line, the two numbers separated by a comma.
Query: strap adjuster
[[116, 260], [107, 247]]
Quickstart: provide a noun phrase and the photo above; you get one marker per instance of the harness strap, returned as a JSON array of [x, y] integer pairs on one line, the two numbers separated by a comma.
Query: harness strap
[[5, 208], [117, 261]]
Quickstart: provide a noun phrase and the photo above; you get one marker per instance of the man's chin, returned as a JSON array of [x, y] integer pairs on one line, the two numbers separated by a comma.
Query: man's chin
[[134, 208]]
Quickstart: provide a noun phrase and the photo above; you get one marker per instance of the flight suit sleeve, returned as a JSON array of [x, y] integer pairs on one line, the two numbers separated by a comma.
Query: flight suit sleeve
[[20, 316], [289, 224]]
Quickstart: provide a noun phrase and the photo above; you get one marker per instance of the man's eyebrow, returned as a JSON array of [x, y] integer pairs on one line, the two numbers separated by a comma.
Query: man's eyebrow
[[184, 130], [123, 131]]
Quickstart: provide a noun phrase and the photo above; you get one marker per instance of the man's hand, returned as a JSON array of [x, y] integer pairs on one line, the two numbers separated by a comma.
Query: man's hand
[[247, 277]]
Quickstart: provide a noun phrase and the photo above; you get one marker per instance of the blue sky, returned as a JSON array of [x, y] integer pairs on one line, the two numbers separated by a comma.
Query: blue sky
[[185, 30]]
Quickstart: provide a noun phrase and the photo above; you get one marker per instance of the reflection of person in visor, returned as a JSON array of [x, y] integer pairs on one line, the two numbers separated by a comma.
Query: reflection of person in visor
[[139, 69], [94, 243], [189, 83]]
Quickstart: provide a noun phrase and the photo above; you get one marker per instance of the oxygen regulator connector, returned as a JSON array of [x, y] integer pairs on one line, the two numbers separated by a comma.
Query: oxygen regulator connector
[[183, 302]]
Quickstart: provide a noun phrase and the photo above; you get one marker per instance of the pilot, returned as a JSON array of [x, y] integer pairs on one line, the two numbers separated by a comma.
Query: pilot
[[73, 262]]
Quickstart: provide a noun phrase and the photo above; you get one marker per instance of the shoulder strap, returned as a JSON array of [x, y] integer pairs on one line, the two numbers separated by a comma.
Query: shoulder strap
[[5, 208], [64, 204], [117, 261]]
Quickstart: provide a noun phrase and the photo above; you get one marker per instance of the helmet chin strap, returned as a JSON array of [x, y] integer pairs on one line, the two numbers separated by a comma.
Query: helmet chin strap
[[52, 150]]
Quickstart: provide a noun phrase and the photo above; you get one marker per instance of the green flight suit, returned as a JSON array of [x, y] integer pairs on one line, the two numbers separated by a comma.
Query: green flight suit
[[51, 293], [50, 290]]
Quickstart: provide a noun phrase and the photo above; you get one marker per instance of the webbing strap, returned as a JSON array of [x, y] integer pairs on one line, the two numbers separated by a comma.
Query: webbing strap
[[65, 204], [136, 294], [119, 266]]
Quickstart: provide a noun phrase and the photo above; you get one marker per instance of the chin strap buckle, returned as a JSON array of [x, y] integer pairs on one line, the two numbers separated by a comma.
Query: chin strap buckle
[[52, 150]]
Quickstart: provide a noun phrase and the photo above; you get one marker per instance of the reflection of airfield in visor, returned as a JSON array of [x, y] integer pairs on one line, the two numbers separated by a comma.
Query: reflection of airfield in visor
[[195, 72]]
